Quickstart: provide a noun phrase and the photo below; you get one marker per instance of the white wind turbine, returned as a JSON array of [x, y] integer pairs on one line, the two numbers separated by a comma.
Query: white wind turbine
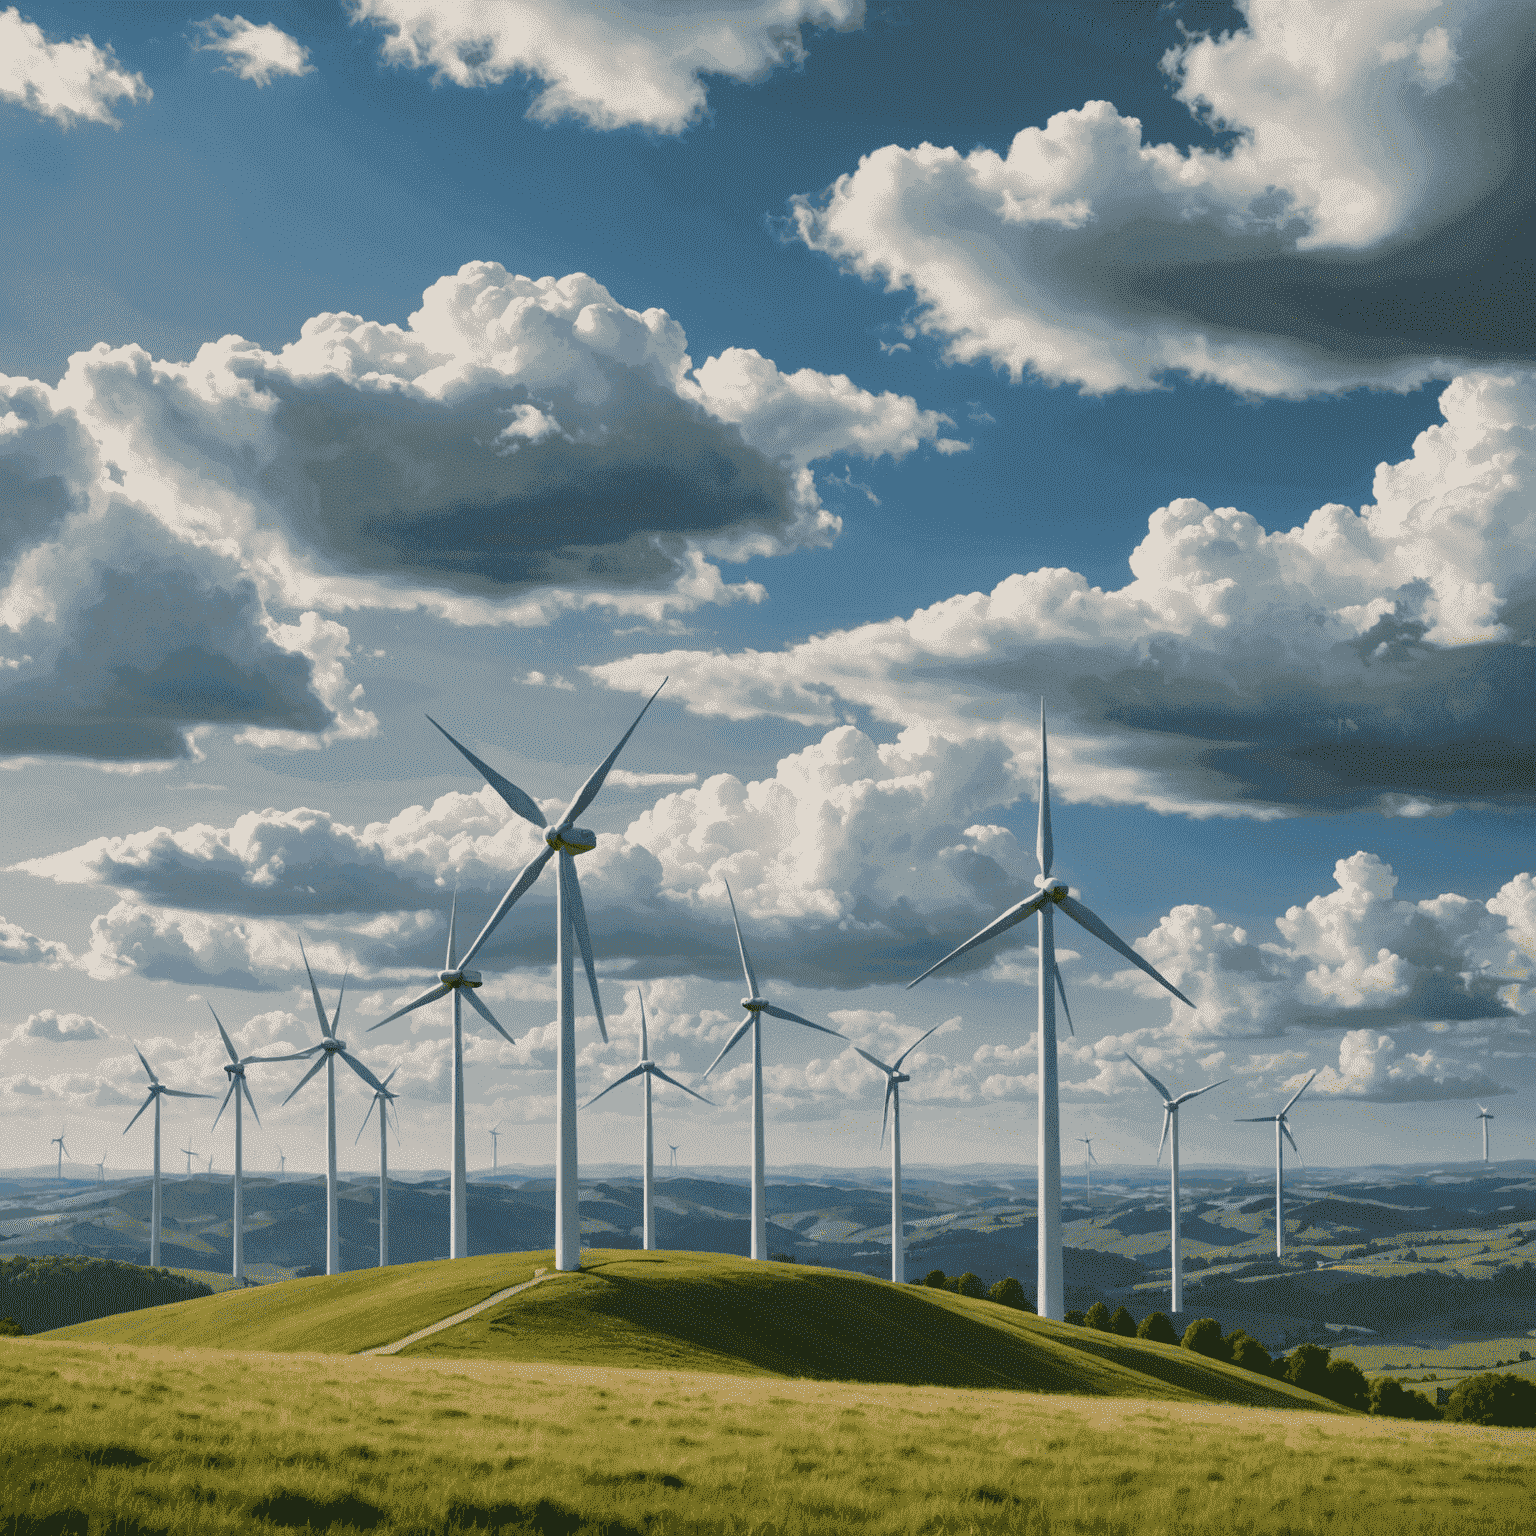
[[495, 1149], [1171, 1123], [568, 840], [234, 1069], [382, 1099], [1485, 1117], [673, 1151], [282, 1164], [756, 1006], [157, 1091], [58, 1141], [894, 1078], [330, 1047], [101, 1169], [1053, 893], [457, 978], [189, 1154], [1088, 1160], [1281, 1125], [648, 1069]]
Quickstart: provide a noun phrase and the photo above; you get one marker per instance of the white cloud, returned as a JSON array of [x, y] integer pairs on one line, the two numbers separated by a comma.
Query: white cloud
[[59, 1028], [1371, 1067], [1375, 153], [18, 947], [638, 64], [73, 82], [255, 53], [1240, 671]]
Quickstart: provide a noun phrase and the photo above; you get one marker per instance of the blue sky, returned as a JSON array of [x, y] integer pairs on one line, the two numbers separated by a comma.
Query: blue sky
[[874, 371]]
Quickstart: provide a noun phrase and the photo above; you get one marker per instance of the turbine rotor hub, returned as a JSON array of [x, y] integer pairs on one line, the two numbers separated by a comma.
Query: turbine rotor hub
[[754, 1004], [572, 840], [335, 1045], [1057, 888], [459, 978]]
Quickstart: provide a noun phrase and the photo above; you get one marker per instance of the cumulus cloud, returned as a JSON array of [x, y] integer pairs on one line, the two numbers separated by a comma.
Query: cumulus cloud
[[70, 83], [639, 64], [18, 947], [59, 1028], [1362, 225], [255, 53], [1372, 658], [1372, 1068]]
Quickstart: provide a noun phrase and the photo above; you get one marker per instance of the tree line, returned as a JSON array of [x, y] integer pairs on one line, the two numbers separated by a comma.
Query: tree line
[[55, 1290]]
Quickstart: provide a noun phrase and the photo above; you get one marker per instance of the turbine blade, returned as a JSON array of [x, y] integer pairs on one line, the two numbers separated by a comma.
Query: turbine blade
[[1163, 1140], [142, 1107], [890, 1088], [245, 1088], [794, 1018], [485, 1013], [429, 996], [392, 1072], [1160, 1088], [578, 913], [228, 1044], [1091, 1157], [314, 990], [1015, 914], [746, 964], [1043, 849], [745, 1026], [657, 1072], [589, 791], [1061, 988], [317, 1066], [874, 1061], [1101, 930], [1298, 1094], [1255, 1120], [645, 1046], [519, 800], [266, 1061], [366, 1118], [453, 919], [225, 1105], [913, 1046], [361, 1071], [336, 1017], [1284, 1127], [181, 1093], [531, 872], [149, 1069], [1194, 1093], [617, 1082]]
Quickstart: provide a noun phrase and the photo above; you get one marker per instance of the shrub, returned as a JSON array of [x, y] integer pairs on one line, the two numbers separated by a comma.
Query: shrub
[[60, 1289], [10, 1328], [1392, 1400], [1507, 1400], [1075, 1318], [1097, 1316], [1123, 1324], [1009, 1293], [1347, 1385], [1245, 1350], [935, 1278], [1157, 1327], [782, 1258], [1203, 1336], [1307, 1367]]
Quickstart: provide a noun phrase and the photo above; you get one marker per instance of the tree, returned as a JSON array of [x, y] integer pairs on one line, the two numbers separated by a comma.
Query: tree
[[1392, 1400], [1009, 1293], [935, 1278], [782, 1258], [1490, 1398], [1307, 1367], [969, 1284], [1245, 1350], [10, 1328], [1203, 1336], [1123, 1324], [1097, 1316], [1074, 1317], [1347, 1385], [1157, 1327]]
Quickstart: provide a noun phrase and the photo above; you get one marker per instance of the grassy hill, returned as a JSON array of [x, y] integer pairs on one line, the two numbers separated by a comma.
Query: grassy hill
[[702, 1312]]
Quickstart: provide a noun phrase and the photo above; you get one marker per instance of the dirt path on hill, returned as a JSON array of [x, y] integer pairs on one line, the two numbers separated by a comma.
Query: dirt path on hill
[[457, 1318]]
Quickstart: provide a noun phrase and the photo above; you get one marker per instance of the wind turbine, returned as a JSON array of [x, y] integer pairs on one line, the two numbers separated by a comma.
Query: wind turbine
[[1052, 894], [757, 1005], [189, 1154], [1088, 1160], [1171, 1122], [101, 1169], [239, 1089], [673, 1151], [461, 982], [648, 1069], [1281, 1125], [330, 1047], [282, 1164], [1485, 1117], [495, 1150], [894, 1078], [58, 1141], [157, 1091], [568, 840], [382, 1098]]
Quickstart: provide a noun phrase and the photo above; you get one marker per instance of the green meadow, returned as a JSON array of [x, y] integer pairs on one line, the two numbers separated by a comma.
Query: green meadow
[[693, 1393]]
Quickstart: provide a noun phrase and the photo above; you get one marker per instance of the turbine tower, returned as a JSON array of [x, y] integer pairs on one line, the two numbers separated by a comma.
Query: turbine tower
[[1052, 894], [58, 1141], [330, 1047], [382, 1098], [568, 840], [458, 979], [101, 1169], [282, 1164], [1485, 1117], [1088, 1160], [894, 1078], [157, 1091], [757, 1005], [673, 1151], [648, 1069], [1171, 1123], [495, 1149], [239, 1089], [1281, 1126], [189, 1154]]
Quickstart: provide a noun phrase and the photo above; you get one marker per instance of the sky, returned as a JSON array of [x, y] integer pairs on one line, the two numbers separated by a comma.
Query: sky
[[874, 373]]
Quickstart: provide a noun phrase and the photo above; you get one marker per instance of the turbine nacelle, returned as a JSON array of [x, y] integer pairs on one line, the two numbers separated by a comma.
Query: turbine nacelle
[[1056, 888], [754, 1004], [333, 1044], [571, 839], [459, 978]]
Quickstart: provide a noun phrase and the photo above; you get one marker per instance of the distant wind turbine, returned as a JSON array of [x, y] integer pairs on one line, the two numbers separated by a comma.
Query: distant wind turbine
[[1088, 1160], [282, 1164], [382, 1099], [1282, 1125], [495, 1150], [58, 1141], [190, 1154], [894, 1078], [757, 1005], [238, 1090], [673, 1150], [1485, 1117], [1050, 1292], [330, 1047], [568, 840], [101, 1169], [1171, 1123], [458, 979], [157, 1091], [648, 1069]]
